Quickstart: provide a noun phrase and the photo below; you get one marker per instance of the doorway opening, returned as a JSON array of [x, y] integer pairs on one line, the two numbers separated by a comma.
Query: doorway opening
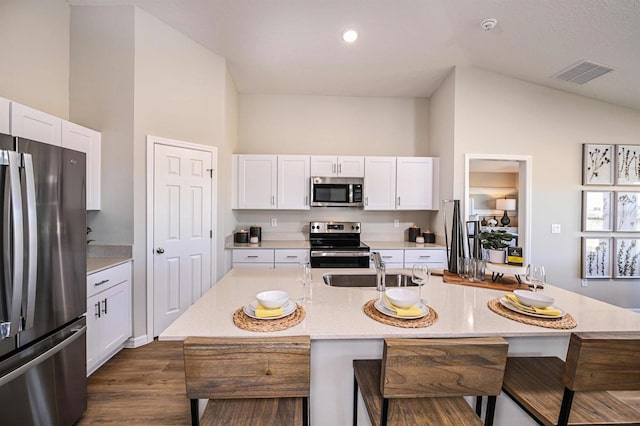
[[491, 178]]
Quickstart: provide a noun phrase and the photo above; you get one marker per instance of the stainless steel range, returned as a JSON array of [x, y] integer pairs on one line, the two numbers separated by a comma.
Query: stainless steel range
[[337, 245]]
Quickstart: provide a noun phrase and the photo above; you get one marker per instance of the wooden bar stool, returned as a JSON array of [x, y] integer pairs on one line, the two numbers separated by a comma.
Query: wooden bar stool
[[249, 381], [423, 381], [574, 392]]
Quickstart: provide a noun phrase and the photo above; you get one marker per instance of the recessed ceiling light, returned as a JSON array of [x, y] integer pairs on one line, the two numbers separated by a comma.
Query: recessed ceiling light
[[350, 36]]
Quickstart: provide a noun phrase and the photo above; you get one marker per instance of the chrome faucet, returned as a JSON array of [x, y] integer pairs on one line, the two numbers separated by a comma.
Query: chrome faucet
[[378, 263]]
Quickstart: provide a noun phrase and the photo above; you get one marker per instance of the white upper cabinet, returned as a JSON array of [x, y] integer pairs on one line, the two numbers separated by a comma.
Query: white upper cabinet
[[88, 141], [257, 181], [331, 165], [380, 183], [5, 124], [36, 125], [417, 183], [293, 182]]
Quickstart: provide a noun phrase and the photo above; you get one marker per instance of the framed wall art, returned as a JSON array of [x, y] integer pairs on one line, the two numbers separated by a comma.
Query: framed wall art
[[627, 211], [627, 164], [597, 164], [627, 258], [596, 257], [597, 211]]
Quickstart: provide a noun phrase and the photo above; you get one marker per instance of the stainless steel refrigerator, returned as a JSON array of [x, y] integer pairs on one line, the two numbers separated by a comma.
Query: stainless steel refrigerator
[[42, 284]]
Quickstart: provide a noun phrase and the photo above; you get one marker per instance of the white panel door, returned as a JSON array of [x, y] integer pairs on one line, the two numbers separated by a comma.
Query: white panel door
[[380, 183], [414, 183], [36, 125], [293, 182], [182, 230]]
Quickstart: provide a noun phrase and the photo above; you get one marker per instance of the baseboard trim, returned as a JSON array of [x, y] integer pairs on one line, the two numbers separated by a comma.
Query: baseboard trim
[[136, 342]]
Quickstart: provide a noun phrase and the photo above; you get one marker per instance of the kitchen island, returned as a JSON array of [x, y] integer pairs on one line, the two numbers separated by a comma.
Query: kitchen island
[[340, 331]]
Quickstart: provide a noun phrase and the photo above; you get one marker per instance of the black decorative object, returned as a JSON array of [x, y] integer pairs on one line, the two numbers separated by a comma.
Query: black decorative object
[[457, 236], [414, 232], [505, 221]]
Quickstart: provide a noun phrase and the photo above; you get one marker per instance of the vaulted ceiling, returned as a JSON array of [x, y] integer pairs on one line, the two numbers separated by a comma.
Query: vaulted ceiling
[[406, 47]]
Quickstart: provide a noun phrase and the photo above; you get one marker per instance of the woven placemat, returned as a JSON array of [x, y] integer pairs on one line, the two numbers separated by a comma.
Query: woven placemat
[[245, 322], [425, 321], [566, 322]]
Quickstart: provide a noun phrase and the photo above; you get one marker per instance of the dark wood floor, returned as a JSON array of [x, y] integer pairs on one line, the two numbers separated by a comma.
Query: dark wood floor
[[140, 386], [146, 386]]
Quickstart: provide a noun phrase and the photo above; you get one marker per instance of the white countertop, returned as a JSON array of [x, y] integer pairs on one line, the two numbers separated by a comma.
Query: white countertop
[[304, 244], [336, 313]]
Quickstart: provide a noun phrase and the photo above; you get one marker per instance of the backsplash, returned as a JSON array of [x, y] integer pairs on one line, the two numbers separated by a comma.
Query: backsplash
[[294, 225]]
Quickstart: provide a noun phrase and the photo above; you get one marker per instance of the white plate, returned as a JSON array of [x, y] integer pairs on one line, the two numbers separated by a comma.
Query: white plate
[[381, 306], [507, 304], [287, 309]]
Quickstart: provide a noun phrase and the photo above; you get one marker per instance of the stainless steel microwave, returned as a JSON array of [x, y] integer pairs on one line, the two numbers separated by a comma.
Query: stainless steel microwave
[[336, 192]]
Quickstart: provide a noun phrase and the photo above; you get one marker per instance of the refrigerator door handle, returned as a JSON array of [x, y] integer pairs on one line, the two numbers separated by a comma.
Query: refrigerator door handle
[[12, 327], [32, 224], [77, 333]]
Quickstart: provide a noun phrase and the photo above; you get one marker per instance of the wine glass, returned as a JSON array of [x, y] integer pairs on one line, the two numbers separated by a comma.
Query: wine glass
[[536, 275], [420, 276], [304, 278]]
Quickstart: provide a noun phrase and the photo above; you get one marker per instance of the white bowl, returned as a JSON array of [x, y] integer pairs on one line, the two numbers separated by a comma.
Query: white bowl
[[530, 298], [402, 297], [272, 298]]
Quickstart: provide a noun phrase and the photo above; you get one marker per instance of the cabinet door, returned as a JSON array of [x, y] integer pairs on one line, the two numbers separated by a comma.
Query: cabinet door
[[257, 181], [293, 182], [36, 125], [414, 189], [351, 166], [5, 125], [324, 165], [380, 183], [115, 318], [88, 141], [93, 332]]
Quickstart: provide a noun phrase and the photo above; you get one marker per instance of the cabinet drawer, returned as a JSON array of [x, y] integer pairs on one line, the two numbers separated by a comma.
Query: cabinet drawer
[[253, 256], [424, 256], [107, 278], [391, 256], [292, 256]]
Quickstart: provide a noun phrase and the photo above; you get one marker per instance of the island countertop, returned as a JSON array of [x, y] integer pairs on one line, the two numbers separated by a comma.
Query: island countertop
[[336, 313]]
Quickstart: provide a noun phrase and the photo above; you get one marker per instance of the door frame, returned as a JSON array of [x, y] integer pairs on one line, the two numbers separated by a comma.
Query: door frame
[[152, 141], [524, 193]]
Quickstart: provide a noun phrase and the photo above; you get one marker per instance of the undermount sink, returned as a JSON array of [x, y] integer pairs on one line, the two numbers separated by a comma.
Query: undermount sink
[[366, 280]]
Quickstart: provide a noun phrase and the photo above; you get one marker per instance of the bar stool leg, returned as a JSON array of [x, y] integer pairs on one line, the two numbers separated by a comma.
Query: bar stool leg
[[355, 401]]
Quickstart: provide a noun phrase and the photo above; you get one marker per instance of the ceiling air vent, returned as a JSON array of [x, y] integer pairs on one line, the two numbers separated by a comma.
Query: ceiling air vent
[[582, 72]]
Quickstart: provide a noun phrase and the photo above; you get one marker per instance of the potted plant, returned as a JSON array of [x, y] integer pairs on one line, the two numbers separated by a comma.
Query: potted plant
[[495, 242]]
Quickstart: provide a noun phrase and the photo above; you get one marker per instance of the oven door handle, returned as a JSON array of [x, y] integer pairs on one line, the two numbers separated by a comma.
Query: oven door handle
[[318, 253]]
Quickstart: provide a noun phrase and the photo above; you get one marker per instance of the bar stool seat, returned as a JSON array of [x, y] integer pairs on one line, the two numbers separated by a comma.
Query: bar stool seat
[[249, 381], [554, 392], [423, 381]]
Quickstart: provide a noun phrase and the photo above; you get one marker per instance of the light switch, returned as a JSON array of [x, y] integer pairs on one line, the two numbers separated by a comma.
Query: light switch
[[396, 223], [555, 228], [274, 222]]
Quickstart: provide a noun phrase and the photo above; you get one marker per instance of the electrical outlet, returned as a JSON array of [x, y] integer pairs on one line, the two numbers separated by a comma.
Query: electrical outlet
[[585, 283], [556, 228], [396, 223], [274, 222]]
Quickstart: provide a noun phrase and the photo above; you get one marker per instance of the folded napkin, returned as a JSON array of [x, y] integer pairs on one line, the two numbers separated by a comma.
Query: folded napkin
[[412, 311], [531, 309], [262, 312]]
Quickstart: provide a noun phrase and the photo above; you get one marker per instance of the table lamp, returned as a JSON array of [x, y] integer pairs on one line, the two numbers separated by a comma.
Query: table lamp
[[505, 204]]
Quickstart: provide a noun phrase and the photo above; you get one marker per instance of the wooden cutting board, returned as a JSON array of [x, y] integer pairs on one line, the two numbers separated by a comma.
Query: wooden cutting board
[[506, 283]]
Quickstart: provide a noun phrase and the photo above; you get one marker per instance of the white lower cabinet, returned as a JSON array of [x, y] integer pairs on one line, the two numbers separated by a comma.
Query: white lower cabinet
[[253, 258], [290, 258], [108, 313], [431, 257]]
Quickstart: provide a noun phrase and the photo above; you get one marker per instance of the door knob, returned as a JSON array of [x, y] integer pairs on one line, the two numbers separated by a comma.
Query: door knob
[[159, 250]]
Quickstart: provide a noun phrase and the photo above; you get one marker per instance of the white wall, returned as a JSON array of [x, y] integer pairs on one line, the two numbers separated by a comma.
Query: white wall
[[34, 47], [181, 91], [102, 98], [278, 124], [500, 115]]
